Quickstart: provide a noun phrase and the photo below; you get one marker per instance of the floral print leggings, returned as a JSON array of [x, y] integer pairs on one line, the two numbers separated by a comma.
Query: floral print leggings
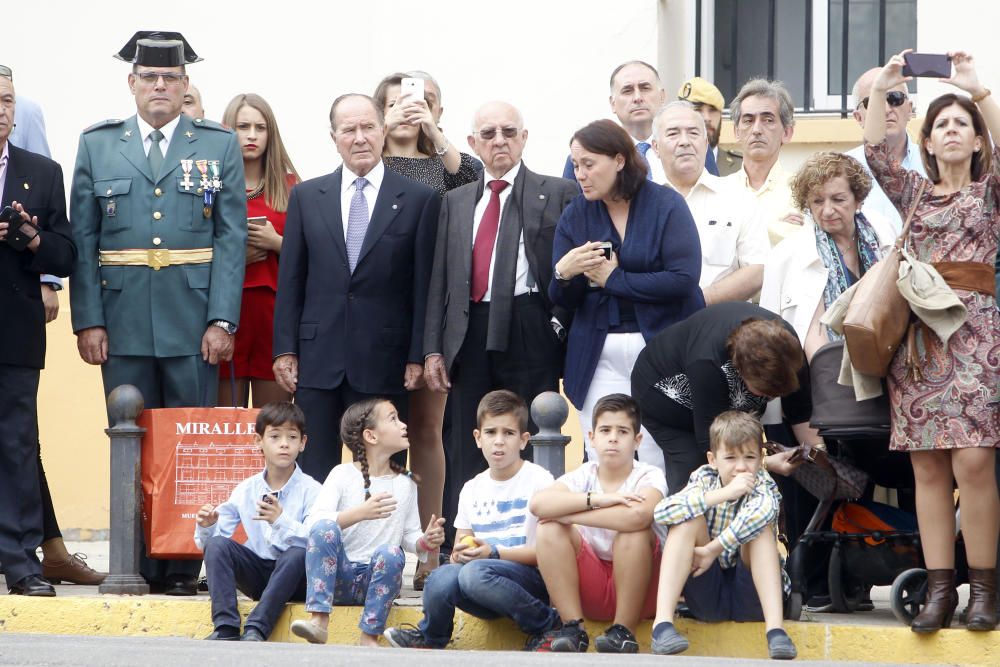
[[335, 580]]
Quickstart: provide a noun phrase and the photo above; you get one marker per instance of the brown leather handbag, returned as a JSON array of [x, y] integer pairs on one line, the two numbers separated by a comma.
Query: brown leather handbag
[[878, 315]]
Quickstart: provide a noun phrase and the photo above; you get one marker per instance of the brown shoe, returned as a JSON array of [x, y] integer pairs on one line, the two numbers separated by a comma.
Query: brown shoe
[[939, 607], [74, 570], [981, 614]]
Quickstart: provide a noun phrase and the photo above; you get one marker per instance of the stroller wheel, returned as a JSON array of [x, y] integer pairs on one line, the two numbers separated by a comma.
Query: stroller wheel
[[846, 592], [909, 590], [793, 607]]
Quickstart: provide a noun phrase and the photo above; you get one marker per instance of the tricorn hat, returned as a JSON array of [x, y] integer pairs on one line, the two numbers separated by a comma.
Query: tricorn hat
[[158, 48]]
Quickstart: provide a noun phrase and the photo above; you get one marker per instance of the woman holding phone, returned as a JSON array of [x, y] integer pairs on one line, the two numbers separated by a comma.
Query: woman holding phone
[[624, 295], [416, 147], [270, 175], [944, 396]]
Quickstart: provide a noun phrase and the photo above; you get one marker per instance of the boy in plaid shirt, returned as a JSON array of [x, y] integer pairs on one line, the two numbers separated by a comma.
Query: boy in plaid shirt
[[721, 550]]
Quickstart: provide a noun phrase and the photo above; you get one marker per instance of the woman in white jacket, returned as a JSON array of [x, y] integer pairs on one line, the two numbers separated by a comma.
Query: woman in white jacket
[[807, 271]]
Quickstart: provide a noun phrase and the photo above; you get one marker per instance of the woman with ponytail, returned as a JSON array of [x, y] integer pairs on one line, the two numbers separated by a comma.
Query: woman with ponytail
[[362, 521]]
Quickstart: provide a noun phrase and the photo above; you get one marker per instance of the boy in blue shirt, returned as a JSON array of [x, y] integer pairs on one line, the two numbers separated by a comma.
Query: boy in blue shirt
[[721, 550], [272, 506], [492, 573]]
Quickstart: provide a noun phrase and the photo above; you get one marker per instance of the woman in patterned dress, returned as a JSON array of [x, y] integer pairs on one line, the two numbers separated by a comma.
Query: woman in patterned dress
[[944, 398]]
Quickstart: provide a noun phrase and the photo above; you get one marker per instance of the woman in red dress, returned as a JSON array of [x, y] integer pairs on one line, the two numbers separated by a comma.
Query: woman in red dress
[[270, 176]]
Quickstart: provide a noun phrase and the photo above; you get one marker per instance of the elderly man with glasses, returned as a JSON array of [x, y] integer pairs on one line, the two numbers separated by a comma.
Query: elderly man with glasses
[[898, 112], [158, 207]]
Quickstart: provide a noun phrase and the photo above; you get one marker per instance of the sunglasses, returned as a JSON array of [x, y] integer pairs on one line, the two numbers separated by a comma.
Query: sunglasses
[[490, 133], [894, 98]]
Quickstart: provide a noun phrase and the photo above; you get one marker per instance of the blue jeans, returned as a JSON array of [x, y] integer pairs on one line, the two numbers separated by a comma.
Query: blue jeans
[[333, 579], [488, 588]]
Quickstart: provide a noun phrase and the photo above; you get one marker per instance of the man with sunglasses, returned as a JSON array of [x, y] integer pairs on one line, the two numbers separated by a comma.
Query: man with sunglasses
[[158, 207], [490, 324], [898, 112]]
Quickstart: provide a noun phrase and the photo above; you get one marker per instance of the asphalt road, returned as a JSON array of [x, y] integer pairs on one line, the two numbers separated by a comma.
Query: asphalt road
[[20, 649]]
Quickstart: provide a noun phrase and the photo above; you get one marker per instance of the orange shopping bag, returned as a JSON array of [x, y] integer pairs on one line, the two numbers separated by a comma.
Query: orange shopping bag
[[191, 456]]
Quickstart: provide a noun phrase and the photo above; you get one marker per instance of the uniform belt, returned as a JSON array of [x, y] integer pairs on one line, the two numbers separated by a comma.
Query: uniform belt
[[971, 276], [156, 258]]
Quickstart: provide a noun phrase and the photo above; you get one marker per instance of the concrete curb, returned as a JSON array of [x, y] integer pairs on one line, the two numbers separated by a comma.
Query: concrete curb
[[137, 617]]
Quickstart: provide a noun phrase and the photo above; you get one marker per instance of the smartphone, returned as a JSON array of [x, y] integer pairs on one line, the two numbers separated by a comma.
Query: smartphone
[[258, 220], [937, 65], [268, 498], [604, 247], [412, 88]]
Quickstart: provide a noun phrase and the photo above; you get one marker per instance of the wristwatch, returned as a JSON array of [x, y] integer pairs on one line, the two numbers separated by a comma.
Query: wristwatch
[[558, 276], [228, 327]]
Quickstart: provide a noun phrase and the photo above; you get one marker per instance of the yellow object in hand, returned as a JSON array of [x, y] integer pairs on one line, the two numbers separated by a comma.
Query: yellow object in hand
[[469, 541]]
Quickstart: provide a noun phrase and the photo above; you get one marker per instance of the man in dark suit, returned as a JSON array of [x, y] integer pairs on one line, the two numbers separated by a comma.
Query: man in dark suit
[[33, 186], [490, 324], [352, 284]]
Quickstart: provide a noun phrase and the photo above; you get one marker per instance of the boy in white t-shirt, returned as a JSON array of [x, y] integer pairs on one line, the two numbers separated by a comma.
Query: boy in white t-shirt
[[597, 551], [492, 572]]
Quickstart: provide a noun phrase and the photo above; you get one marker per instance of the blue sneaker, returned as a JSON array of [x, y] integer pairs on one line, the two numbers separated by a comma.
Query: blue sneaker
[[667, 641]]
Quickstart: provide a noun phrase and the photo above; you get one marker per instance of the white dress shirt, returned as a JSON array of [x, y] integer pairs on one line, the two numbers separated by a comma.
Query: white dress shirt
[[168, 133], [521, 273], [374, 178]]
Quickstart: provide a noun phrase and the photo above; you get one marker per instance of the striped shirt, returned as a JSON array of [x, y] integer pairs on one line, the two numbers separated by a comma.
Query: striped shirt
[[496, 511], [734, 522]]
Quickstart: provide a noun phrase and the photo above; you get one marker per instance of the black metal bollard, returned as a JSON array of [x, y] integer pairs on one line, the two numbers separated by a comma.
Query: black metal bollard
[[549, 411], [125, 404]]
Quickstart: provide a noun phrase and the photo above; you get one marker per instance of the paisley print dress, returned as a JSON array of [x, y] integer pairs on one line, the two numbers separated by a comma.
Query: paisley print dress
[[954, 402]]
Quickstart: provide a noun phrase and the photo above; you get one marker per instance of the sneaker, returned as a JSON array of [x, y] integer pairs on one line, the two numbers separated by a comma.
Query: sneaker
[[780, 646], [406, 636], [667, 641], [569, 638], [309, 631], [616, 639]]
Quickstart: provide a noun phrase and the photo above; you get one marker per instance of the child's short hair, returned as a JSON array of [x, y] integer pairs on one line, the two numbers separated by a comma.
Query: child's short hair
[[503, 402], [734, 428], [617, 403], [278, 413]]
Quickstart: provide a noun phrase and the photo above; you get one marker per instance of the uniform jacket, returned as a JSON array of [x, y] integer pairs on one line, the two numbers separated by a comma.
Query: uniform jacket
[[366, 326], [116, 205], [534, 207], [37, 183]]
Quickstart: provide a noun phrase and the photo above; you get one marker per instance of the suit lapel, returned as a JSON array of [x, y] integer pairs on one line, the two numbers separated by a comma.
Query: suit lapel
[[466, 215], [12, 182], [182, 146], [532, 207], [390, 200], [329, 208], [132, 148]]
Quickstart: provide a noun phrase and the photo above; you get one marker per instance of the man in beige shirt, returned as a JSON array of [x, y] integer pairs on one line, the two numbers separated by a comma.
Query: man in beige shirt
[[763, 120]]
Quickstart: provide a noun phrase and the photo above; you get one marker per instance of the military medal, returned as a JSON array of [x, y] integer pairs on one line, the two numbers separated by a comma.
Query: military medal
[[111, 210], [205, 185], [186, 165], [216, 182], [203, 170]]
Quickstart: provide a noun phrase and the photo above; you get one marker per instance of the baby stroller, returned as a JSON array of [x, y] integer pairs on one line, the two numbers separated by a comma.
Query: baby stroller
[[864, 543]]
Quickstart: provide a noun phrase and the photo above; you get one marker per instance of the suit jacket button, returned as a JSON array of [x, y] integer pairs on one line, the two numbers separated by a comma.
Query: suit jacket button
[[157, 215], [104, 283], [156, 240], [158, 192], [350, 295]]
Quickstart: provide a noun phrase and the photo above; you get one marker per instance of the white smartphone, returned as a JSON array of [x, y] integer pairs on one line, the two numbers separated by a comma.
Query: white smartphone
[[412, 88]]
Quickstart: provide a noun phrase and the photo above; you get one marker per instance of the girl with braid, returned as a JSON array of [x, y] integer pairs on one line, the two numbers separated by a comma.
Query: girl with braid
[[363, 519]]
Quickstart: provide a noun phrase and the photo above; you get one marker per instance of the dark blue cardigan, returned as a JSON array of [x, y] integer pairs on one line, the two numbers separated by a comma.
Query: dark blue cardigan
[[659, 268]]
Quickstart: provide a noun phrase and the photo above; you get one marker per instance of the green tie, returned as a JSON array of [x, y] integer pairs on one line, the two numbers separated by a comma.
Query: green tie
[[155, 154]]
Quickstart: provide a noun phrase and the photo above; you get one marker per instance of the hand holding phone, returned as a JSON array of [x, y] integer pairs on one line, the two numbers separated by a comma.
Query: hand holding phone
[[934, 65], [412, 88]]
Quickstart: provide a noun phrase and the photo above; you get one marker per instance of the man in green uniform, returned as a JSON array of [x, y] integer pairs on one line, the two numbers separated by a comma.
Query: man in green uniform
[[158, 209]]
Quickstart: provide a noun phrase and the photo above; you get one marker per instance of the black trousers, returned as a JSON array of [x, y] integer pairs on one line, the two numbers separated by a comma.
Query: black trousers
[[531, 364], [323, 409], [231, 566], [50, 526], [20, 494]]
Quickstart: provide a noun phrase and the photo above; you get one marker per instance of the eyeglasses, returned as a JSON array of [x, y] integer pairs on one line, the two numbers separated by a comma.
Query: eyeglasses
[[894, 98], [169, 78], [491, 132]]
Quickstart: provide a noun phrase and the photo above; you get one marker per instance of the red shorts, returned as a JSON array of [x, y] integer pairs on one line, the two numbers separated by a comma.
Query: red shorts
[[597, 585], [255, 337]]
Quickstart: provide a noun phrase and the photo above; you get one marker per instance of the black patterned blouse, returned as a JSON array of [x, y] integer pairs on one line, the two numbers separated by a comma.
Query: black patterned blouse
[[430, 171]]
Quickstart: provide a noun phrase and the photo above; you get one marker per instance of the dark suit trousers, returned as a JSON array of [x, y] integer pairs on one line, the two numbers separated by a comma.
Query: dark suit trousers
[[323, 409], [165, 382], [20, 496], [231, 566], [531, 364]]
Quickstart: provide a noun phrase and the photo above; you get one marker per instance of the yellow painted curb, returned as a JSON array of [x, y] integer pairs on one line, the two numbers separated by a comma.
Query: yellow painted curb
[[158, 617]]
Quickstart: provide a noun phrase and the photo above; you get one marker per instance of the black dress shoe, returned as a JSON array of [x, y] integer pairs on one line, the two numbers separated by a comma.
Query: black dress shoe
[[180, 585], [33, 585], [252, 634], [225, 633]]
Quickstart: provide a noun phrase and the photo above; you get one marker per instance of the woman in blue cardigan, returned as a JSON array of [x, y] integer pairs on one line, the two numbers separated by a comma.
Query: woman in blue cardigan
[[649, 282]]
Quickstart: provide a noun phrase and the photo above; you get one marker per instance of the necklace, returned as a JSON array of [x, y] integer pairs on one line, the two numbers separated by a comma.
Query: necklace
[[256, 192]]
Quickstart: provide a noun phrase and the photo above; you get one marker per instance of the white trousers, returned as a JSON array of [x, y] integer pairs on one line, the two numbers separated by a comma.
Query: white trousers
[[613, 376]]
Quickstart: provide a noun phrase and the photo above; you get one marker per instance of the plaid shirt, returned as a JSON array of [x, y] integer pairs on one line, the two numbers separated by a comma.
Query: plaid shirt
[[735, 522]]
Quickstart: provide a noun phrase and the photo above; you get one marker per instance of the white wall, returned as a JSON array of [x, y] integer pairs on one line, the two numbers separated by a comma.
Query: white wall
[[551, 59]]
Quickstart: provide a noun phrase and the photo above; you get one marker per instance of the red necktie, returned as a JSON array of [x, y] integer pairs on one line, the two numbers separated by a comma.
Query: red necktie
[[486, 238]]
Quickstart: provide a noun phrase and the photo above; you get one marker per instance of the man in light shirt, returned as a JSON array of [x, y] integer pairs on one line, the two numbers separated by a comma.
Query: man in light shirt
[[898, 111], [733, 238], [763, 116]]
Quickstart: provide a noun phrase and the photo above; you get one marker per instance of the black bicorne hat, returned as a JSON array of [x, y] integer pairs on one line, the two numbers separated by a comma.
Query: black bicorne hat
[[158, 48]]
